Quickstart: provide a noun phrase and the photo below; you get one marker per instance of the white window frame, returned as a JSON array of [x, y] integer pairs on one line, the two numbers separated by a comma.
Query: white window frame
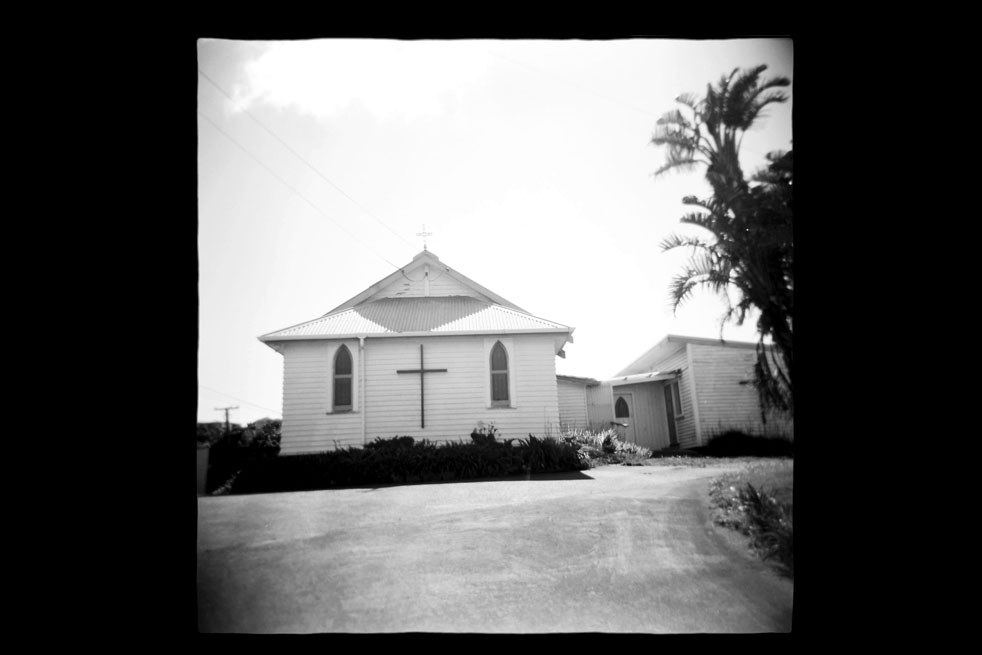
[[676, 393], [332, 351], [509, 346], [496, 402]]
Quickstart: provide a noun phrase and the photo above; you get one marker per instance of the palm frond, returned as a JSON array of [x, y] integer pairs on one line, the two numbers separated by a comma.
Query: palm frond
[[679, 241], [708, 222], [680, 290], [681, 165], [740, 95], [769, 98], [674, 136], [749, 108], [713, 269], [709, 204], [701, 272], [674, 117], [690, 100]]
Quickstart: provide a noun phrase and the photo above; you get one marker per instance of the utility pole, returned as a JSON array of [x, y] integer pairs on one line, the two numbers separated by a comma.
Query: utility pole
[[226, 410]]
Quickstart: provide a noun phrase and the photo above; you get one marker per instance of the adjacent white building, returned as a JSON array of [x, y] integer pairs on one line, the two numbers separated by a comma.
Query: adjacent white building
[[685, 390]]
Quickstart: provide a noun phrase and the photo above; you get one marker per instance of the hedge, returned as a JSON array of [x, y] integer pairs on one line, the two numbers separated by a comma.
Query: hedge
[[405, 460]]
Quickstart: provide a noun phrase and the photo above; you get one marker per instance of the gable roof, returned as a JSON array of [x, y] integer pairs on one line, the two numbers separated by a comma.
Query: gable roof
[[423, 260], [669, 345], [400, 305], [429, 314]]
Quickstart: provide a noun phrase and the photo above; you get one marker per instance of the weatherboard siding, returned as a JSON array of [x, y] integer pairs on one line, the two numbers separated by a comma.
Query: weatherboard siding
[[725, 403], [455, 401], [572, 405], [685, 424], [599, 406], [647, 414], [307, 393]]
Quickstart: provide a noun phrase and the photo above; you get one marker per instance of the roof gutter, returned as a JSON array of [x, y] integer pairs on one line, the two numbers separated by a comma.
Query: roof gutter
[[654, 376], [267, 339]]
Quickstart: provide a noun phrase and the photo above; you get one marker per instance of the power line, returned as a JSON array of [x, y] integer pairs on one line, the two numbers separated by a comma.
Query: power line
[[301, 158], [276, 411], [291, 188]]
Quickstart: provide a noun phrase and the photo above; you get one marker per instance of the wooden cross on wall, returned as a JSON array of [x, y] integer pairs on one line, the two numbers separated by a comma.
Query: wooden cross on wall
[[422, 371]]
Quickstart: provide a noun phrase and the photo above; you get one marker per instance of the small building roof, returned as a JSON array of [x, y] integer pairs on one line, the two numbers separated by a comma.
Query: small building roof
[[589, 382], [653, 376], [669, 345]]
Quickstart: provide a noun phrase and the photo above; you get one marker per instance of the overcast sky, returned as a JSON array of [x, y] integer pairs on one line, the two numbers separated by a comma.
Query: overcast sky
[[529, 161]]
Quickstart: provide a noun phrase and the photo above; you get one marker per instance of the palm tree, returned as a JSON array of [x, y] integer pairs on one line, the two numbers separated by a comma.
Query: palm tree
[[751, 245]]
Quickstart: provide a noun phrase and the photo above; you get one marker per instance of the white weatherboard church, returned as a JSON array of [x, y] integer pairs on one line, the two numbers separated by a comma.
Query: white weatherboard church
[[425, 352]]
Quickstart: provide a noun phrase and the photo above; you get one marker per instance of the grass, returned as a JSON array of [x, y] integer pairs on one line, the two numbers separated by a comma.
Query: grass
[[758, 501]]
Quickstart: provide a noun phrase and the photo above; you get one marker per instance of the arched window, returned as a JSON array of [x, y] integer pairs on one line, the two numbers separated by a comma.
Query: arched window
[[620, 408], [499, 375], [342, 379]]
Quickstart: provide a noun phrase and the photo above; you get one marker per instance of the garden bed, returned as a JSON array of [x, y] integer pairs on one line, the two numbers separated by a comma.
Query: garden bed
[[403, 460], [758, 502]]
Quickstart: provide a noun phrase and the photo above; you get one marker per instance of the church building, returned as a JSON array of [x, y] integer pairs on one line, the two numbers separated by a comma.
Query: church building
[[425, 352]]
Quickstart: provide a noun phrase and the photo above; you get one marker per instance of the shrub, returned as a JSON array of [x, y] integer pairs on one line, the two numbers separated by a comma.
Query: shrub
[[767, 521], [404, 460], [212, 433], [484, 435], [770, 525], [393, 444], [264, 434], [241, 448], [605, 447]]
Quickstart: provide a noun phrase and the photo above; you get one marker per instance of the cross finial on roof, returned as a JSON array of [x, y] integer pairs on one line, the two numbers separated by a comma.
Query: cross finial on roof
[[424, 234]]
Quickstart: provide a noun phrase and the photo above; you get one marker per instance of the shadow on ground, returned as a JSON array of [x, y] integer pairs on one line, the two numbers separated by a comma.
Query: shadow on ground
[[537, 477]]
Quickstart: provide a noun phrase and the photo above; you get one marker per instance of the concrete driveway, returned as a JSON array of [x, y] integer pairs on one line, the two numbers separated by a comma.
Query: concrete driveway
[[613, 549]]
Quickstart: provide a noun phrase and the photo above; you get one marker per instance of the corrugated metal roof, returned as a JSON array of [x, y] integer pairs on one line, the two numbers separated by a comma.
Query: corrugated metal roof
[[590, 382], [441, 314], [653, 376], [668, 345]]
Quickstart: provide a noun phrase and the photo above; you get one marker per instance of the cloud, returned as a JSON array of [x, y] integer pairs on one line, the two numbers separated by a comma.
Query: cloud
[[407, 79]]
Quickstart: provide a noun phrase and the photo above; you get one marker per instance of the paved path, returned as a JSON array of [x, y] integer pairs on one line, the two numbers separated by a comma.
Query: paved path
[[612, 549]]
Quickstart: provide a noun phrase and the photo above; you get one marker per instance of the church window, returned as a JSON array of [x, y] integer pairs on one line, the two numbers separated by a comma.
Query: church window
[[620, 408], [499, 375], [342, 379]]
